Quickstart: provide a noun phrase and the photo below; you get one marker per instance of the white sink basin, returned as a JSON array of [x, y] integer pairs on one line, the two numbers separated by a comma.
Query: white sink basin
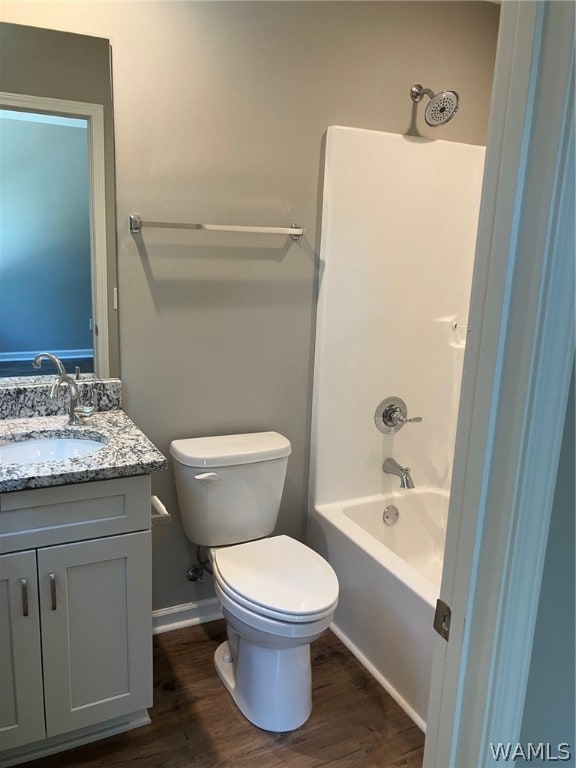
[[40, 450]]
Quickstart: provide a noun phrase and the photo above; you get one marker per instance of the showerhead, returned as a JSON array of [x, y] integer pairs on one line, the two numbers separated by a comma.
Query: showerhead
[[441, 108]]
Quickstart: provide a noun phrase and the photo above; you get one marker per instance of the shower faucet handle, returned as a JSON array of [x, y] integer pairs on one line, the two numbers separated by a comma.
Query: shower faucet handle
[[392, 414]]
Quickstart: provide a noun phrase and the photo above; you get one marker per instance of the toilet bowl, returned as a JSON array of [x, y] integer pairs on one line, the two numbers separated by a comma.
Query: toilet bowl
[[277, 595], [265, 663]]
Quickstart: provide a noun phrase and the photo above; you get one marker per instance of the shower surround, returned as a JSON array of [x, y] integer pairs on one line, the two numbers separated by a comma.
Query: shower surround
[[398, 237]]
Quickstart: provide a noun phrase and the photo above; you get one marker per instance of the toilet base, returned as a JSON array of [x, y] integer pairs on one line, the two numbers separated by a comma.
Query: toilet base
[[271, 687]]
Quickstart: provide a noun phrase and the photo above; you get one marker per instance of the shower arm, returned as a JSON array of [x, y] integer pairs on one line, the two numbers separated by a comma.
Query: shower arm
[[417, 92]]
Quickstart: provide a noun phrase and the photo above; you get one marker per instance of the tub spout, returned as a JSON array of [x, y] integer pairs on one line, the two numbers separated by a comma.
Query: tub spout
[[391, 467]]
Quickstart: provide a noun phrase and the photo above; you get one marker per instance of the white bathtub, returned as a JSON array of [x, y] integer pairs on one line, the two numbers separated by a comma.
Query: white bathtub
[[389, 582]]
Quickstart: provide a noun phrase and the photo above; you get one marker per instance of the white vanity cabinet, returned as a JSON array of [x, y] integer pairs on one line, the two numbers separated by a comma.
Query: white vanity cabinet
[[75, 612], [21, 688]]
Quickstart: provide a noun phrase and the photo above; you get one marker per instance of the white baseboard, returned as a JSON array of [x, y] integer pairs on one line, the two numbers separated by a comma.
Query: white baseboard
[[186, 615]]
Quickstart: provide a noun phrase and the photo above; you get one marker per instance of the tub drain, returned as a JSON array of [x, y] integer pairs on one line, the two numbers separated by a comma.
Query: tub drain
[[390, 515]]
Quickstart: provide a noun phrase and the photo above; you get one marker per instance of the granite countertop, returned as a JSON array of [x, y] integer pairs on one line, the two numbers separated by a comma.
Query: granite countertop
[[127, 451]]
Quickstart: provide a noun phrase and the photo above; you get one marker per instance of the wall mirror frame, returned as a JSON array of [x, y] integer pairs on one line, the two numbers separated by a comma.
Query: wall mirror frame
[[93, 113], [62, 73]]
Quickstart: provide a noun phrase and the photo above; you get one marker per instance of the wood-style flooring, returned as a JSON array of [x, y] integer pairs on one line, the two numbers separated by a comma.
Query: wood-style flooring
[[195, 724]]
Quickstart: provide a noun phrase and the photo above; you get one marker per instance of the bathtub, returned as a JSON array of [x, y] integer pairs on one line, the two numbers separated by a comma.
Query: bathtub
[[389, 581]]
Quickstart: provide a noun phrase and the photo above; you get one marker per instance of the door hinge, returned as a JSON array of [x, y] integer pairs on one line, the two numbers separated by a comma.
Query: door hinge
[[442, 619]]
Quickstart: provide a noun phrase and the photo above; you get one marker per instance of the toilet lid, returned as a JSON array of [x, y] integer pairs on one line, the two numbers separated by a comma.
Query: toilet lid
[[278, 576], [227, 450]]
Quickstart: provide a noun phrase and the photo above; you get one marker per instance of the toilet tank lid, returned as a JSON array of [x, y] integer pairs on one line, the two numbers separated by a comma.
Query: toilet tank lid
[[227, 450]]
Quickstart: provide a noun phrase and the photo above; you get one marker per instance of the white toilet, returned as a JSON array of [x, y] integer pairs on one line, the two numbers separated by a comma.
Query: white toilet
[[277, 595]]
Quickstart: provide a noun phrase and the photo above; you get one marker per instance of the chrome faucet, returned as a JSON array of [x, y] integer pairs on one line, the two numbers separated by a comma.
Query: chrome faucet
[[391, 467], [37, 362], [75, 411]]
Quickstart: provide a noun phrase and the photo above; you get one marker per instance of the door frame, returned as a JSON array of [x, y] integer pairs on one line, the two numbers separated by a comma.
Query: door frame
[[516, 379]]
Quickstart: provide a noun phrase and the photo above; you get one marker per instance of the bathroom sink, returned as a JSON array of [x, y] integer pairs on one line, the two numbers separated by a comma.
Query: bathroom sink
[[45, 449]]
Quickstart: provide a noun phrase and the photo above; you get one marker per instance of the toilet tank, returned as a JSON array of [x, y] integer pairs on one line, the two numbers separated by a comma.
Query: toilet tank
[[229, 487]]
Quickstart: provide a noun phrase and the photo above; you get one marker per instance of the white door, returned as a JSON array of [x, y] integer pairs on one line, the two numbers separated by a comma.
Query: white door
[[515, 387], [21, 694], [96, 618]]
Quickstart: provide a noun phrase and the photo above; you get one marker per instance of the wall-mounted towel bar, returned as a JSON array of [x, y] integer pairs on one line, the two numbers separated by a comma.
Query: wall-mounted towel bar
[[295, 232]]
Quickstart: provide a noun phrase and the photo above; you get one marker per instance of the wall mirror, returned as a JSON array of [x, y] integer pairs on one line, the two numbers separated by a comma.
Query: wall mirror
[[57, 202]]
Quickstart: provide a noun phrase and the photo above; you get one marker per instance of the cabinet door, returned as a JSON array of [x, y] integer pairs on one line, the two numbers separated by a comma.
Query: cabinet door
[[21, 697], [96, 619]]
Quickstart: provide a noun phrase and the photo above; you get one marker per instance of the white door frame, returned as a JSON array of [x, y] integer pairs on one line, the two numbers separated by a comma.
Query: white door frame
[[94, 114], [515, 386]]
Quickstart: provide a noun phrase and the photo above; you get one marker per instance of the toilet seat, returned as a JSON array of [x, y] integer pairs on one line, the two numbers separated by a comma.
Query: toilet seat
[[262, 611], [277, 577], [261, 629]]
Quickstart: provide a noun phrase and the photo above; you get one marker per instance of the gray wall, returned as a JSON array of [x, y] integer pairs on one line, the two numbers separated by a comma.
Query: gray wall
[[550, 706], [220, 113]]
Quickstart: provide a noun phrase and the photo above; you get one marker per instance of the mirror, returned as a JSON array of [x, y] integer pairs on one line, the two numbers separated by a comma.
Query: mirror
[[58, 246], [53, 227]]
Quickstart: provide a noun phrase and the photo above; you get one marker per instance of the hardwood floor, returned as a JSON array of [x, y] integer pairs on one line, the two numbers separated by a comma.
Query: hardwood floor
[[195, 724]]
